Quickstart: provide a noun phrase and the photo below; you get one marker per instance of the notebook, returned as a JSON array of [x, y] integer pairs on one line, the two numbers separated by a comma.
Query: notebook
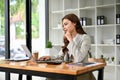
[[81, 64]]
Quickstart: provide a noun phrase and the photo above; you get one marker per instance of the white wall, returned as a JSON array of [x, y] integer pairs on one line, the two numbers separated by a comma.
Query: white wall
[[42, 26]]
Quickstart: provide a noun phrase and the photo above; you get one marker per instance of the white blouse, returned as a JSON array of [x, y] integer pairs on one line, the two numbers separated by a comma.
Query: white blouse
[[79, 48]]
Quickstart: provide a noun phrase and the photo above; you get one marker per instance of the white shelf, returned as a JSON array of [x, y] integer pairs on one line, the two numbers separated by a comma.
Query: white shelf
[[106, 25], [117, 3], [106, 45], [85, 8], [98, 33], [118, 45], [93, 44], [118, 65], [104, 6], [55, 12], [118, 25], [89, 26], [70, 10], [111, 65]]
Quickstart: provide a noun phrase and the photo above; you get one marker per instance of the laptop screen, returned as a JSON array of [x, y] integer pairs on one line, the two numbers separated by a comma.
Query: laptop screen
[[20, 56], [26, 50]]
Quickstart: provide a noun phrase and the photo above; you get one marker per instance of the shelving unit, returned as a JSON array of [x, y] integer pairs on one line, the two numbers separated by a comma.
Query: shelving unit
[[99, 33]]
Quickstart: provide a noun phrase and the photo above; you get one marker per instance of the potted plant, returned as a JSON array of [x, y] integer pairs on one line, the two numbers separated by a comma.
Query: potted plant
[[49, 44], [48, 47], [112, 58], [102, 59], [91, 58]]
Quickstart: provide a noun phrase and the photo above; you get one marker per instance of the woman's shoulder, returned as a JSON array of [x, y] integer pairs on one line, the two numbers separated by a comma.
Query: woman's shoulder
[[84, 36]]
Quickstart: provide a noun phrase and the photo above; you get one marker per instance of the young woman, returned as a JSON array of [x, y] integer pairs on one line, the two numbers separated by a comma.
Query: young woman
[[76, 43]]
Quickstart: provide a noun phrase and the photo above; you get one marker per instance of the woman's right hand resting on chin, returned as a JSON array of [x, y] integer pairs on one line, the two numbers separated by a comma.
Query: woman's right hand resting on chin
[[45, 58]]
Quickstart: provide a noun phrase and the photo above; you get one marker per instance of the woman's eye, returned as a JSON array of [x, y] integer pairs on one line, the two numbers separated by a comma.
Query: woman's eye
[[65, 24]]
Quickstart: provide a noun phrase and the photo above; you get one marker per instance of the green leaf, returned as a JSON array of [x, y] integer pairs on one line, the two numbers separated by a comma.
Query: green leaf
[[49, 44]]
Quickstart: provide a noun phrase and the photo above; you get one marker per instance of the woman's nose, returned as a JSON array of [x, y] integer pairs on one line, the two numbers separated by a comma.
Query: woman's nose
[[63, 28]]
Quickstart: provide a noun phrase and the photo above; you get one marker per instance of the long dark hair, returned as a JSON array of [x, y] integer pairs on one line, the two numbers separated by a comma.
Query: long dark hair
[[74, 19]]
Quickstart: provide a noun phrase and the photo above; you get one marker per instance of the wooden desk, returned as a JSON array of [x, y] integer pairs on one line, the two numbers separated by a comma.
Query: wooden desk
[[63, 71]]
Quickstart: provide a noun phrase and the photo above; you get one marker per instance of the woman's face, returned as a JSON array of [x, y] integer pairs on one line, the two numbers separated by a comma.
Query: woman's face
[[68, 25]]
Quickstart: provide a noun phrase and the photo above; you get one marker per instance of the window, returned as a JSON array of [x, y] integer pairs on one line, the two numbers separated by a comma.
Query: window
[[17, 26], [2, 30], [35, 25], [38, 22]]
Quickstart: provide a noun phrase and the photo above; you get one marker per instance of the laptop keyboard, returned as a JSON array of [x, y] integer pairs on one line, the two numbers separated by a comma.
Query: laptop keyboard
[[50, 61]]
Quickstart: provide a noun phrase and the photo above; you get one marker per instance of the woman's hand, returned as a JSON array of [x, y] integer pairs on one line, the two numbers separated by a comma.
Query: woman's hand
[[44, 58], [68, 36]]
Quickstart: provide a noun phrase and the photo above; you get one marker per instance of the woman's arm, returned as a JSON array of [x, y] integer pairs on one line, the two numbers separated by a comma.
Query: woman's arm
[[79, 48], [60, 54]]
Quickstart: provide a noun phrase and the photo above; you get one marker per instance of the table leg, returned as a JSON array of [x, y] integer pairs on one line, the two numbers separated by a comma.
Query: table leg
[[100, 74], [7, 76], [75, 78], [20, 77], [29, 77]]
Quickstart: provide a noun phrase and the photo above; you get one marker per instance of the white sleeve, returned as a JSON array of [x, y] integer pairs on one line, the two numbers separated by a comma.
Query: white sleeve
[[57, 56], [79, 48]]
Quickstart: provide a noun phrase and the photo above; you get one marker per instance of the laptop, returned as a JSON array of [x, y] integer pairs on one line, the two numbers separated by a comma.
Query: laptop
[[26, 55], [27, 51]]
